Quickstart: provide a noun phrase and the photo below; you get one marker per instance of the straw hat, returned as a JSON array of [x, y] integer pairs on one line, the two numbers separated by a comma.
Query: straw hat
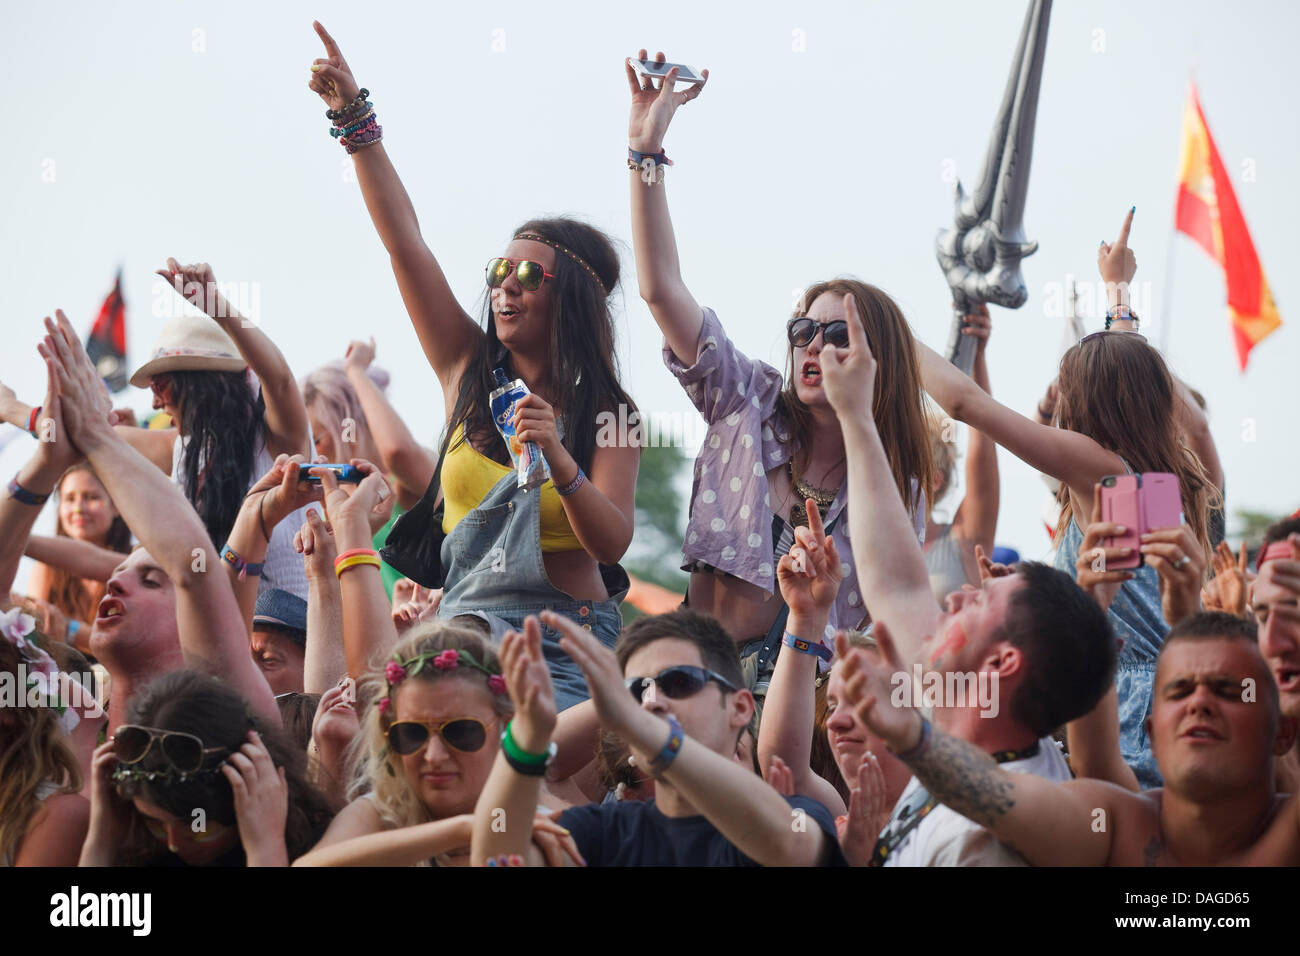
[[190, 343]]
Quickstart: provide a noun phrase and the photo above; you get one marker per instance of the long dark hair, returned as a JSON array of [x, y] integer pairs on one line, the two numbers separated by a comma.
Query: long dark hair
[[198, 704], [584, 369], [67, 591], [896, 401], [1117, 390], [222, 419]]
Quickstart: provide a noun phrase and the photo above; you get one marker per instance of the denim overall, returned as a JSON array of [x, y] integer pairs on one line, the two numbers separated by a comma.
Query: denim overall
[[493, 563]]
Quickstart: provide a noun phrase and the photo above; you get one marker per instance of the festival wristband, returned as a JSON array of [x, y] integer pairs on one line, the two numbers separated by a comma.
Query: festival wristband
[[353, 552], [343, 564], [520, 760], [922, 745], [565, 490], [671, 749], [807, 647], [244, 568], [23, 495]]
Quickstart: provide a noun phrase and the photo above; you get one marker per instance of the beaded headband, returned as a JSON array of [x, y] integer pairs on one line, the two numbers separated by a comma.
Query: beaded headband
[[559, 247]]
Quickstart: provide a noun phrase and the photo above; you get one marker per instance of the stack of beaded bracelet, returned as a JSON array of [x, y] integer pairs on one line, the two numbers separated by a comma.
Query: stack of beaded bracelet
[[355, 125]]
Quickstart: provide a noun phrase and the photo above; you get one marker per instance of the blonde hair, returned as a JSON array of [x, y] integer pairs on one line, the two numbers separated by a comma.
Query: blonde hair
[[329, 395], [375, 768], [34, 753]]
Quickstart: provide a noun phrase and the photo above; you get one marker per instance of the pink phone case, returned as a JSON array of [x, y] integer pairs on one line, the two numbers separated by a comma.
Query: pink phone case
[[1119, 505], [1162, 502]]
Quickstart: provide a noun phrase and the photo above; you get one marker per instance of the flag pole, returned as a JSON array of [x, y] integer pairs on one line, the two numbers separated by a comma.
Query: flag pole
[[1167, 291]]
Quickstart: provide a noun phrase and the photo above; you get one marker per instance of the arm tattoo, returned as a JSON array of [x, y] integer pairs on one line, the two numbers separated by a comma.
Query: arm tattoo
[[964, 778]]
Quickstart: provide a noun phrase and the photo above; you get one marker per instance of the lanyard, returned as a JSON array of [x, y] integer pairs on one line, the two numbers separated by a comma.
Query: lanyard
[[910, 816]]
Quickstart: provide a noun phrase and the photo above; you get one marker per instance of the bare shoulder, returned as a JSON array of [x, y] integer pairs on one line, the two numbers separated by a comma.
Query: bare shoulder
[[358, 818]]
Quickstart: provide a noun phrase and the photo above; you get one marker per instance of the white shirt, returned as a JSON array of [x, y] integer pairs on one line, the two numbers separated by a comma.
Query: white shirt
[[282, 568], [946, 838]]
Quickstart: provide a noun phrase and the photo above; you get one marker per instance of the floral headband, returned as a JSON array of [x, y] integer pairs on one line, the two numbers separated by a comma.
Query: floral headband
[[43, 674], [397, 670]]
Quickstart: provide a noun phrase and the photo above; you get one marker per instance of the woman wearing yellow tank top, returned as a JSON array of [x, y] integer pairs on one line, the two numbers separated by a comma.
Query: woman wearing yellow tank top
[[548, 323]]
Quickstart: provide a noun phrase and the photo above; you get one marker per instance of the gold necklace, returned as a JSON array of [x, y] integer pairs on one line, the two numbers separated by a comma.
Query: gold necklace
[[823, 497]]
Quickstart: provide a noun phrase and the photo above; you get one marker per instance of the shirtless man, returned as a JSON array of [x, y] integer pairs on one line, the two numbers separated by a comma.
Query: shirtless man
[[1216, 732]]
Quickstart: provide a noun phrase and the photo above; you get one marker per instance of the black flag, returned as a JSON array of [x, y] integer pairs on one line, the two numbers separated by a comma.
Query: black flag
[[106, 344]]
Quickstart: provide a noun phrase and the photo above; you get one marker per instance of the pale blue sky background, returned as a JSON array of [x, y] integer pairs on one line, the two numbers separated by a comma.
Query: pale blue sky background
[[794, 165]]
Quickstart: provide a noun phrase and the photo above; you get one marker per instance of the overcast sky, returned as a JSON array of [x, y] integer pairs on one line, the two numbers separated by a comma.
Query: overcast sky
[[825, 143]]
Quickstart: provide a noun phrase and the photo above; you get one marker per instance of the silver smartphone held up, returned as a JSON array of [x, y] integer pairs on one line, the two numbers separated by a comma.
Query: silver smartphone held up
[[685, 74]]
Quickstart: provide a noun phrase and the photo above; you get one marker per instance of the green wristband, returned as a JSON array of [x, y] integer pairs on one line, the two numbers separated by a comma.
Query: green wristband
[[517, 753]]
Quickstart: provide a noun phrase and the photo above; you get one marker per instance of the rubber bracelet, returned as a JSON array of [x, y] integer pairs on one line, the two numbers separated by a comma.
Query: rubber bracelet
[[353, 552], [510, 747], [922, 745], [565, 490], [355, 561], [31, 421], [671, 749], [23, 495], [71, 637], [808, 647], [530, 769], [245, 569]]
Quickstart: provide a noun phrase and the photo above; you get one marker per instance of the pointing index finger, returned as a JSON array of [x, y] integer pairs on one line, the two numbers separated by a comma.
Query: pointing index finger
[[1122, 241], [331, 47], [857, 334]]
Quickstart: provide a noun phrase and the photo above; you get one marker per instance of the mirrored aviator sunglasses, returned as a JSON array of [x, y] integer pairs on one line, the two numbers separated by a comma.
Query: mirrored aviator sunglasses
[[677, 683], [802, 330], [464, 734], [529, 274]]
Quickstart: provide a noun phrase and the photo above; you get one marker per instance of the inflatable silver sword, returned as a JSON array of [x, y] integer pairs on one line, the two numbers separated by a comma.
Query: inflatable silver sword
[[980, 253]]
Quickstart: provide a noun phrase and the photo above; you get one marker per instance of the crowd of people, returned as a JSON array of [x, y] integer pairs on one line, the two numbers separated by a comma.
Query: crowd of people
[[274, 629]]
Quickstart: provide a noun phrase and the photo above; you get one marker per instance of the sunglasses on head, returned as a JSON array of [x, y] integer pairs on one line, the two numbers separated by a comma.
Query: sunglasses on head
[[530, 274], [801, 331], [184, 752], [1097, 335], [677, 683], [465, 734]]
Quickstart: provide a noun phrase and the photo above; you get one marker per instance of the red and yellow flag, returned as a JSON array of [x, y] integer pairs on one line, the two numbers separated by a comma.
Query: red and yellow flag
[[1208, 212]]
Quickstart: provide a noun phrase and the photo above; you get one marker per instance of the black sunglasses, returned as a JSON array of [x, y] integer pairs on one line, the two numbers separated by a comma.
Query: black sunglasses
[[462, 733], [801, 331], [678, 682], [184, 752]]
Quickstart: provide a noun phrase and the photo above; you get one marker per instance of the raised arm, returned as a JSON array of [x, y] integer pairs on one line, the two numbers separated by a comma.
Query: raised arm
[[658, 270], [1094, 738], [36, 480], [976, 520], [447, 334], [274, 496], [405, 459], [891, 567], [81, 558], [325, 660], [368, 631], [1048, 823], [750, 814], [809, 578], [510, 797], [1067, 456], [212, 635], [286, 415]]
